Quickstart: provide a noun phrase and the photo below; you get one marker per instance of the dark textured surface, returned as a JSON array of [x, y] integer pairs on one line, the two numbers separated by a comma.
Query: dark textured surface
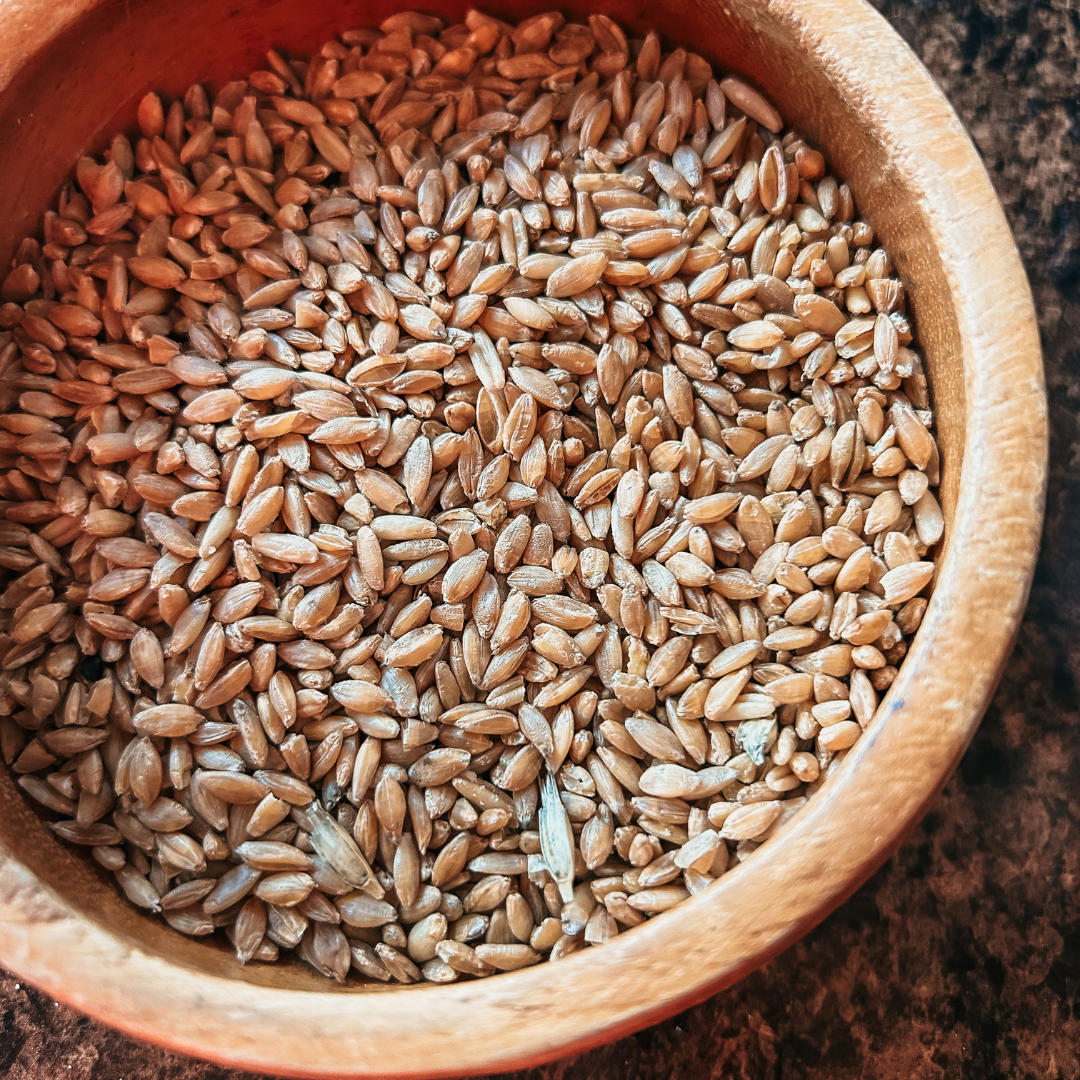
[[961, 957]]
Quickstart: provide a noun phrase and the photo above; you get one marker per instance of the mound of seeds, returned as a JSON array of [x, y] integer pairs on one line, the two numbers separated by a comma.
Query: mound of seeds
[[461, 494]]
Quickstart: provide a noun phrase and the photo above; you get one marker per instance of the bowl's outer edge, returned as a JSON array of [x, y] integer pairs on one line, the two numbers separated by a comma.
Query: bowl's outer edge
[[857, 821]]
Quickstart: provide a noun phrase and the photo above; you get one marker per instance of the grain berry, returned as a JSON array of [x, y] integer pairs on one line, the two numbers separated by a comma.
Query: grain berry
[[460, 494]]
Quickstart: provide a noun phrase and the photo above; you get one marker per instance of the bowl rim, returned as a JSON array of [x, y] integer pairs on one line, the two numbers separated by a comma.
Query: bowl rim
[[822, 856]]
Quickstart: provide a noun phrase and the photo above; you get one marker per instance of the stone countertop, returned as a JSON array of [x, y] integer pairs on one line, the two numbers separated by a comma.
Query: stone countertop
[[961, 956]]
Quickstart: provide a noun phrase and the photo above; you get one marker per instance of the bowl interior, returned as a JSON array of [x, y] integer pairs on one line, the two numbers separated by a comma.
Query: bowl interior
[[69, 97]]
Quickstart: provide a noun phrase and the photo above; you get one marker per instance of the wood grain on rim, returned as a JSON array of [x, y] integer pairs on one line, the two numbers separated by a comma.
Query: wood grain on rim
[[840, 74]]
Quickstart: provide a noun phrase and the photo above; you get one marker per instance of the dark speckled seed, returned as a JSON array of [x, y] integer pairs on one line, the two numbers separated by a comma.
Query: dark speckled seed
[[92, 668]]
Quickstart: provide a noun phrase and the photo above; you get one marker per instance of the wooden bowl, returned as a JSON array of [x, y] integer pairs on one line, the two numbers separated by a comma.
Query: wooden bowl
[[71, 72]]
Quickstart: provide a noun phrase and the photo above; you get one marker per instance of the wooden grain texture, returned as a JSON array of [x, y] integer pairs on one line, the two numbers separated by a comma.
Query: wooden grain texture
[[838, 73]]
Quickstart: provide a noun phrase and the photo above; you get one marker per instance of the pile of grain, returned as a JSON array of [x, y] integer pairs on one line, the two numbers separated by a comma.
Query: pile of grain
[[461, 494]]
